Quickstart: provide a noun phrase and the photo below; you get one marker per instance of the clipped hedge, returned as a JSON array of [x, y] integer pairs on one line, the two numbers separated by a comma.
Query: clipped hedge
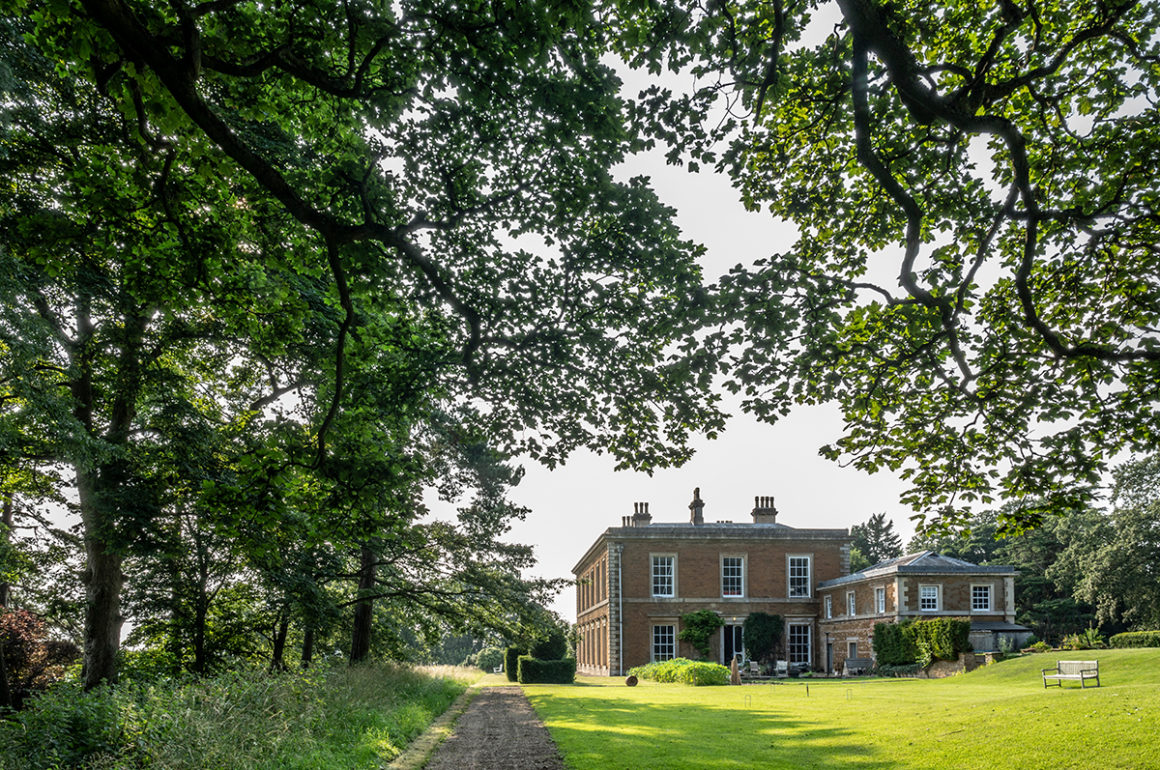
[[921, 641], [536, 671], [511, 664], [1136, 639], [683, 671]]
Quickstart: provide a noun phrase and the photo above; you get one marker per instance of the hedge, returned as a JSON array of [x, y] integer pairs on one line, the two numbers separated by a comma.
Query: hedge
[[921, 641], [537, 671], [1136, 639], [511, 664], [694, 672]]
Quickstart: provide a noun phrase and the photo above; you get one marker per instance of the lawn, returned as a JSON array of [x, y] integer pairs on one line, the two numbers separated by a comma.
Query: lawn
[[996, 717]]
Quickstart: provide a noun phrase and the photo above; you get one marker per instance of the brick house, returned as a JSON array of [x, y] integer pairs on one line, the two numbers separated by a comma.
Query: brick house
[[918, 585], [636, 581]]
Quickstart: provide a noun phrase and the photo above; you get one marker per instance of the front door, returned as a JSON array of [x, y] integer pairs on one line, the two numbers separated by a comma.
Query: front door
[[732, 644]]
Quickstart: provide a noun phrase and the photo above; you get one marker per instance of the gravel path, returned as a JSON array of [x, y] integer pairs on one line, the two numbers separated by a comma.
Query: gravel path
[[499, 731]]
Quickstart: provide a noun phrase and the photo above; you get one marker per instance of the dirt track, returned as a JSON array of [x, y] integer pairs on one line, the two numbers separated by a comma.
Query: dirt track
[[499, 731]]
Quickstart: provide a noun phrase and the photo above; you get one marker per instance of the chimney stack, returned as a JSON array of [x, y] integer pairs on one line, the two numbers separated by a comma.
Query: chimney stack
[[763, 510], [697, 508], [640, 515]]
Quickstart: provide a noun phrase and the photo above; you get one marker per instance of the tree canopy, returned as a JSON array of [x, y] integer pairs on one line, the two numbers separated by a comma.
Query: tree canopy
[[975, 276]]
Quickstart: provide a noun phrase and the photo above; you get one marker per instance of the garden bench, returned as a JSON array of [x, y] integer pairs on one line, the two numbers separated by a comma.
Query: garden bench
[[857, 666], [1074, 670]]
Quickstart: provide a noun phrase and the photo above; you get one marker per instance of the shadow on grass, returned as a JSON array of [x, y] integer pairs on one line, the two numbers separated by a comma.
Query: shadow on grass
[[616, 732]]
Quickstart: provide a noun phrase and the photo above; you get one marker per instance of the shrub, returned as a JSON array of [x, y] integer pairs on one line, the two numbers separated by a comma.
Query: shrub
[[64, 725], [1038, 647], [553, 646], [762, 632], [1089, 639], [511, 662], [921, 641], [489, 657], [536, 671], [684, 671], [697, 628], [33, 661], [907, 669], [1136, 639]]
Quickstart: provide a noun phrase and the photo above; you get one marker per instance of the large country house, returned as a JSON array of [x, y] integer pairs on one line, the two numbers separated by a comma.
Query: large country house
[[637, 580]]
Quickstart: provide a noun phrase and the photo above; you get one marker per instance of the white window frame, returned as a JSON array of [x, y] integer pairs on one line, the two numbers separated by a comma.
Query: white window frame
[[653, 560], [740, 577], [922, 587], [664, 642], [790, 577], [792, 654], [880, 599], [829, 603], [990, 597], [851, 604]]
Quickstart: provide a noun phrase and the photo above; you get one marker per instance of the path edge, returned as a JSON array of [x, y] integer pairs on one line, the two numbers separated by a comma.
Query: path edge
[[419, 751]]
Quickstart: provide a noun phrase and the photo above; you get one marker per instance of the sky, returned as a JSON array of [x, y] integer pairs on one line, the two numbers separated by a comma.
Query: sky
[[572, 505]]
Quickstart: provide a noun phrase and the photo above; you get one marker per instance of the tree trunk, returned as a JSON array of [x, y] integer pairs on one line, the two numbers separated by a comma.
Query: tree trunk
[[103, 582], [307, 646], [360, 639], [5, 530], [277, 659], [6, 519]]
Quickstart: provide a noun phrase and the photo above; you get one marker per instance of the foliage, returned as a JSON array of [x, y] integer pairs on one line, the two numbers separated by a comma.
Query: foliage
[[973, 281], [875, 540], [489, 658], [922, 641], [1135, 639], [697, 628], [552, 646], [32, 661], [324, 718], [535, 670], [1038, 647], [889, 723], [1090, 639], [698, 673], [902, 669], [761, 633], [1113, 564], [511, 662]]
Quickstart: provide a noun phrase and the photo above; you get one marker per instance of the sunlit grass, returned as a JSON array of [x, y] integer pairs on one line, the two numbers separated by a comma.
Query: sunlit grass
[[996, 717]]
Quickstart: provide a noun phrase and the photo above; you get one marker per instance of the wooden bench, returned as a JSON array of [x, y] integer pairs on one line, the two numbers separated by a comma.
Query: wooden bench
[[857, 666], [1074, 670]]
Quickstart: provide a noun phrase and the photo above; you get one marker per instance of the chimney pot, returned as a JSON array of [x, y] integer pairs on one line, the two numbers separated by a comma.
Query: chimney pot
[[764, 511]]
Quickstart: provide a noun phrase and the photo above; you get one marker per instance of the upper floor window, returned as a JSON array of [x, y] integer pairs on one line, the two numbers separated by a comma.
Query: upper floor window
[[980, 598], [851, 605], [880, 600], [663, 574], [799, 576], [928, 598], [829, 607], [732, 576]]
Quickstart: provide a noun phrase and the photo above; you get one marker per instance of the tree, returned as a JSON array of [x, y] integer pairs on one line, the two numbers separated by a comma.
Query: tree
[[876, 540], [974, 281], [762, 634], [310, 229], [1114, 565]]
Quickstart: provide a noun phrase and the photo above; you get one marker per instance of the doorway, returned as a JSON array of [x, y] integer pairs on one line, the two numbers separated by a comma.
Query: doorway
[[732, 644]]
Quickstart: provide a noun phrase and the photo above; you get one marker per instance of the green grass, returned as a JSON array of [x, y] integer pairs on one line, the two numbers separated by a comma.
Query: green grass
[[999, 716], [336, 718]]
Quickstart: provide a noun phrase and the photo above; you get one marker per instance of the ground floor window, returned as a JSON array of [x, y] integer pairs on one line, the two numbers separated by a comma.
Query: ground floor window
[[664, 643], [798, 644]]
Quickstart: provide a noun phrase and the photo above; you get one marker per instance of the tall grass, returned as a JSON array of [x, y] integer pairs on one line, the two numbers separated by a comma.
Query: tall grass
[[321, 719]]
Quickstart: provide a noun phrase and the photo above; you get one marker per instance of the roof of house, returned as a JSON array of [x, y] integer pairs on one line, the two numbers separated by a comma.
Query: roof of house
[[921, 563]]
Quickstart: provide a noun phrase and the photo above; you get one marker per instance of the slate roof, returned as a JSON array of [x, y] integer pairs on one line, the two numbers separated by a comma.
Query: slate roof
[[921, 563]]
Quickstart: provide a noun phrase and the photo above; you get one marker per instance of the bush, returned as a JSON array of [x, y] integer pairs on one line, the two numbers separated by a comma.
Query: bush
[[64, 725], [489, 657], [1089, 639], [554, 646], [908, 669], [697, 628], [761, 633], [537, 671], [511, 662], [921, 641], [683, 671], [1136, 639], [32, 660], [1038, 647]]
